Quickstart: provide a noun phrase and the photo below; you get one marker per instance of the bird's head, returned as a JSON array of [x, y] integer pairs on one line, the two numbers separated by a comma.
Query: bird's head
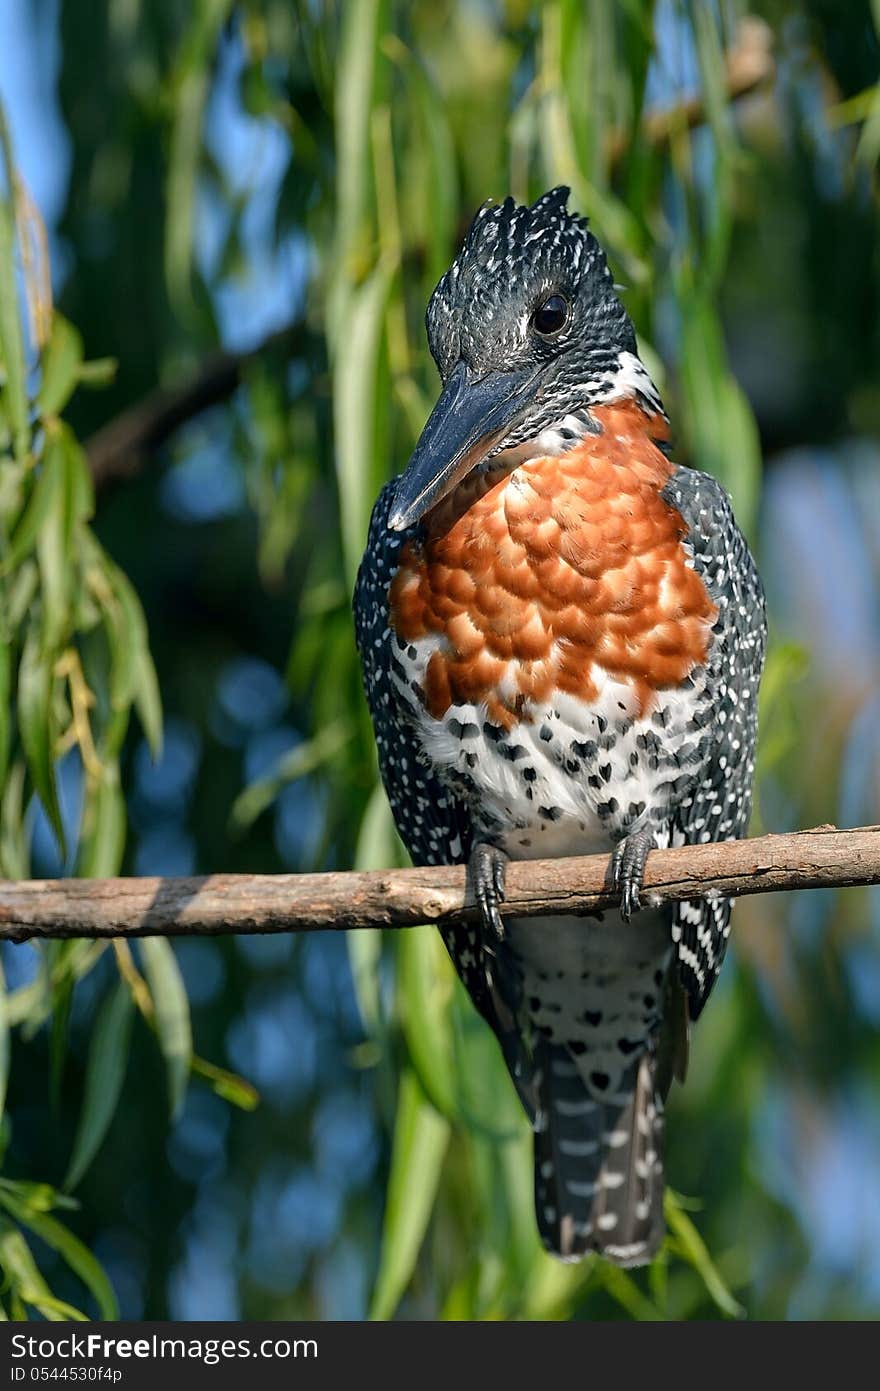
[[525, 327]]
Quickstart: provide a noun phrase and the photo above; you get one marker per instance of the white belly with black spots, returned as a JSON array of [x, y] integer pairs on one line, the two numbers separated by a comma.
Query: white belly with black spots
[[569, 777], [572, 778]]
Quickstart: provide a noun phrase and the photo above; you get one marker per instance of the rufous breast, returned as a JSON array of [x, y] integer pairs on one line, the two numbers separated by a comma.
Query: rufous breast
[[541, 577]]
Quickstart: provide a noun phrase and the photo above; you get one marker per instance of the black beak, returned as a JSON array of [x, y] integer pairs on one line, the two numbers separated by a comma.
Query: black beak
[[469, 419]]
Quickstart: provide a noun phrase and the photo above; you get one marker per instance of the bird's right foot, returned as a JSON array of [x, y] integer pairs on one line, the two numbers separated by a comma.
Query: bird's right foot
[[487, 867], [628, 868]]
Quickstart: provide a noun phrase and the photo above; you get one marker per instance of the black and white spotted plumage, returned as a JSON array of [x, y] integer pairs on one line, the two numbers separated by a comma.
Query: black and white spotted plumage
[[703, 768], [591, 1013], [720, 803]]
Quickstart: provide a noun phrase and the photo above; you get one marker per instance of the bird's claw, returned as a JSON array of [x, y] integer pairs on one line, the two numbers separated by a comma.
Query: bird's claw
[[628, 868], [488, 867]]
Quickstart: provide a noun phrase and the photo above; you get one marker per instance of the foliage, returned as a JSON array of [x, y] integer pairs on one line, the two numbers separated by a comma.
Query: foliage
[[334, 154], [74, 664]]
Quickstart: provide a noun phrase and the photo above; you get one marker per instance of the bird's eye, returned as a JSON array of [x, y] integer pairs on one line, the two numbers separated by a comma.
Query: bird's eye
[[550, 316]]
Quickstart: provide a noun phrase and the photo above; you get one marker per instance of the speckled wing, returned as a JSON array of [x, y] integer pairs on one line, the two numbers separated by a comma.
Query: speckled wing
[[432, 821], [720, 804]]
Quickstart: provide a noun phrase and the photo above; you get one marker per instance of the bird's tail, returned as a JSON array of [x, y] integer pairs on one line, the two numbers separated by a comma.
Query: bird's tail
[[598, 1164]]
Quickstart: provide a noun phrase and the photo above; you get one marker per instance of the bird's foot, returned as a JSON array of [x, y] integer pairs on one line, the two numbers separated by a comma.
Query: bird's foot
[[487, 867], [628, 868]]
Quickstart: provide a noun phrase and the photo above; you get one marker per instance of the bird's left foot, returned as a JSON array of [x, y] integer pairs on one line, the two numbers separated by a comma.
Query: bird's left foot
[[628, 868], [487, 867]]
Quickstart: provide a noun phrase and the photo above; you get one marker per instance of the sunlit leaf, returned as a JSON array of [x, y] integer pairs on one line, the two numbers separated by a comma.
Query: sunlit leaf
[[98, 371], [5, 707], [377, 848], [104, 822], [171, 1007], [39, 506], [61, 361], [147, 700], [14, 392], [228, 1085], [724, 433], [355, 402], [36, 725], [76, 1255], [420, 1138], [14, 861], [190, 94], [355, 93], [426, 997], [54, 545], [22, 1272]]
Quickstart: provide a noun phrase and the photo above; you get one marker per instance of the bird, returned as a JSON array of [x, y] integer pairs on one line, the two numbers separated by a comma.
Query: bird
[[561, 634]]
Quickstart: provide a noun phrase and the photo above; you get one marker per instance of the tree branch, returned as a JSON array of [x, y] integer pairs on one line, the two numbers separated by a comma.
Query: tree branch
[[118, 449], [748, 64], [247, 903]]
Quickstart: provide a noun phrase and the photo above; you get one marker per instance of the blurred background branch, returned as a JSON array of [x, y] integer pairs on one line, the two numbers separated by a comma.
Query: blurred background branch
[[119, 448], [748, 66]]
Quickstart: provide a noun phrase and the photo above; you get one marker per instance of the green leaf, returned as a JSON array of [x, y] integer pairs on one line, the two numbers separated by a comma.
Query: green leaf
[[301, 760], [228, 1085], [4, 1041], [36, 726], [487, 1102], [37, 1197], [377, 848], [693, 1249], [551, 1288], [425, 997], [441, 210], [54, 545], [421, 1136], [172, 1015], [61, 361], [14, 861], [356, 373], [61, 1005], [103, 826], [14, 393], [133, 676], [192, 80], [5, 708], [354, 98], [99, 371], [20, 593], [76, 1255], [129, 636], [722, 427], [55, 1310], [623, 1288], [39, 506], [81, 484], [23, 1275], [105, 1071], [148, 700]]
